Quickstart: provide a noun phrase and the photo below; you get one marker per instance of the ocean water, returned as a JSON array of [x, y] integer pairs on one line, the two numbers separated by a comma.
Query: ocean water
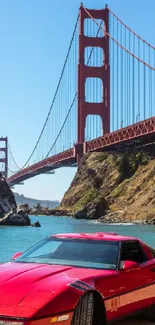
[[15, 239]]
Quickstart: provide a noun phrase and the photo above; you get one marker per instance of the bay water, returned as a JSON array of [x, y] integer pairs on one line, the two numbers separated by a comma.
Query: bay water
[[14, 239]]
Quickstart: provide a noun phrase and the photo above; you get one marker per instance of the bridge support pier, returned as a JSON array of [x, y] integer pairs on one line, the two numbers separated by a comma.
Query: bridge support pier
[[80, 150], [84, 71], [4, 159]]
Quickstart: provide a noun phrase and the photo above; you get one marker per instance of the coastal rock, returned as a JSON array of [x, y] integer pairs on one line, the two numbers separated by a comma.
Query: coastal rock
[[7, 200], [25, 207], [10, 214], [57, 212], [112, 217], [12, 218], [94, 210], [97, 208], [36, 224], [81, 214]]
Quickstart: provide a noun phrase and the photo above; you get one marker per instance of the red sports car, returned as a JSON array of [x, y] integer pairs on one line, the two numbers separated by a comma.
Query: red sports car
[[78, 279]]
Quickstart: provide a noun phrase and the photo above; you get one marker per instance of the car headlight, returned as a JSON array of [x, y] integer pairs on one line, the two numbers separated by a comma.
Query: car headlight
[[7, 322], [61, 318]]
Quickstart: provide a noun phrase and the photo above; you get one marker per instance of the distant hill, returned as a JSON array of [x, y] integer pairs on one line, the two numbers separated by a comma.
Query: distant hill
[[21, 199]]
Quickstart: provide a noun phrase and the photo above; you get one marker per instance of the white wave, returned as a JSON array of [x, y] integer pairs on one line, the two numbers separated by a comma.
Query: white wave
[[112, 224]]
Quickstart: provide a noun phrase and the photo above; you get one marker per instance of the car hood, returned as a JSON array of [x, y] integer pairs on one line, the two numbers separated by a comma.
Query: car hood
[[31, 286]]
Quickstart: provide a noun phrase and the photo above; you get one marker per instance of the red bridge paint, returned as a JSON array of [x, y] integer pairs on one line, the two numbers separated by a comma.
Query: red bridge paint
[[137, 134], [4, 160], [84, 71]]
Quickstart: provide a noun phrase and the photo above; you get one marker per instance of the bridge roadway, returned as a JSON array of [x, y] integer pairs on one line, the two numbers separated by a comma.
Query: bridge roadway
[[134, 135]]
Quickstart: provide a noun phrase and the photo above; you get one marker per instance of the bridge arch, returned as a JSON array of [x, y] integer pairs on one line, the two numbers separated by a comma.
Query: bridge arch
[[94, 56], [93, 127], [94, 90]]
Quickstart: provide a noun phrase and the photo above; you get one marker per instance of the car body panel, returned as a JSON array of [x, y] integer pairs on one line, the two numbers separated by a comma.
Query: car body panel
[[24, 285], [136, 291], [32, 291]]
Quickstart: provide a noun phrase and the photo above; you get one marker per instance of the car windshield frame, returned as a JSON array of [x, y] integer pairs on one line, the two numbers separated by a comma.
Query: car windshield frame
[[71, 262]]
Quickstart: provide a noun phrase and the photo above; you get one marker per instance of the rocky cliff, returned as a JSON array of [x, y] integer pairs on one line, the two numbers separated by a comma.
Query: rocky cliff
[[9, 214], [7, 200], [115, 187]]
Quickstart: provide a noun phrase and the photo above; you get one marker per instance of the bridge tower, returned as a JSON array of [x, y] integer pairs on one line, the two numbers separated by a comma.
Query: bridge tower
[[84, 71], [4, 158]]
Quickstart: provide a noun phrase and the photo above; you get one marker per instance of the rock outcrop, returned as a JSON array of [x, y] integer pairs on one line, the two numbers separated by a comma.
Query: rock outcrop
[[7, 200], [10, 215], [15, 218], [124, 182], [93, 210], [36, 224]]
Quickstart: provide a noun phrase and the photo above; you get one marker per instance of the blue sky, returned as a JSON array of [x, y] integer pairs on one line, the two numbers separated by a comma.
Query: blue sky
[[34, 38]]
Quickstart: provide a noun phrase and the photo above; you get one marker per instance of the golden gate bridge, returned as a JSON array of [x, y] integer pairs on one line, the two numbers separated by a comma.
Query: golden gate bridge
[[104, 100]]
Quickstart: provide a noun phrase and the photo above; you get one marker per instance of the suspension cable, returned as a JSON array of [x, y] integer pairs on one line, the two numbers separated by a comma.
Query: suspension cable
[[62, 73], [140, 38], [13, 172], [62, 124], [13, 157], [132, 54], [63, 69], [73, 98]]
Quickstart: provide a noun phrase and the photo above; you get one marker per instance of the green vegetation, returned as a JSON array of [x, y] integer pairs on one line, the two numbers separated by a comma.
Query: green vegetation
[[124, 167], [122, 182], [120, 189], [128, 163], [102, 156], [87, 197]]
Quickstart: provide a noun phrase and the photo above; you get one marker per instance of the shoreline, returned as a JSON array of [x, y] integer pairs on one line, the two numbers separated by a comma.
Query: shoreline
[[110, 218]]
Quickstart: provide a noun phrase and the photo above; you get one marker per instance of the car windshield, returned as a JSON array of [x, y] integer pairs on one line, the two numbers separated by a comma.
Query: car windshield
[[97, 254]]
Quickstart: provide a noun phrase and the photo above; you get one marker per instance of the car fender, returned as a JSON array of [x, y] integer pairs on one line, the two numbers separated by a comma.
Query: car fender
[[67, 299]]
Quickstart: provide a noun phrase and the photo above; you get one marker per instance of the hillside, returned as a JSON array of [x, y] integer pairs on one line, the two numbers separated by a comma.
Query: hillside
[[21, 199], [120, 187]]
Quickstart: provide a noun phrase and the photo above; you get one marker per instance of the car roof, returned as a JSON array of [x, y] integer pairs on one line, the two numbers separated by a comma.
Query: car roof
[[111, 236]]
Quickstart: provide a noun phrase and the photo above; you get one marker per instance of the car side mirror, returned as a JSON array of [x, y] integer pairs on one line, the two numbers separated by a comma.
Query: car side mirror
[[15, 256], [129, 265]]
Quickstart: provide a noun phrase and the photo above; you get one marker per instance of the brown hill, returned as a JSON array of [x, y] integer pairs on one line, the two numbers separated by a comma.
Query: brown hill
[[119, 187]]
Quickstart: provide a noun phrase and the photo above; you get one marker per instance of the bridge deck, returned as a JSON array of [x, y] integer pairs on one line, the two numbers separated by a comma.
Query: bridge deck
[[134, 135]]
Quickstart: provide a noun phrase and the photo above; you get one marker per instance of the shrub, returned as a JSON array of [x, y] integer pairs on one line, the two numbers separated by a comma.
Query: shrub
[[124, 167], [128, 163], [102, 156], [87, 197]]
